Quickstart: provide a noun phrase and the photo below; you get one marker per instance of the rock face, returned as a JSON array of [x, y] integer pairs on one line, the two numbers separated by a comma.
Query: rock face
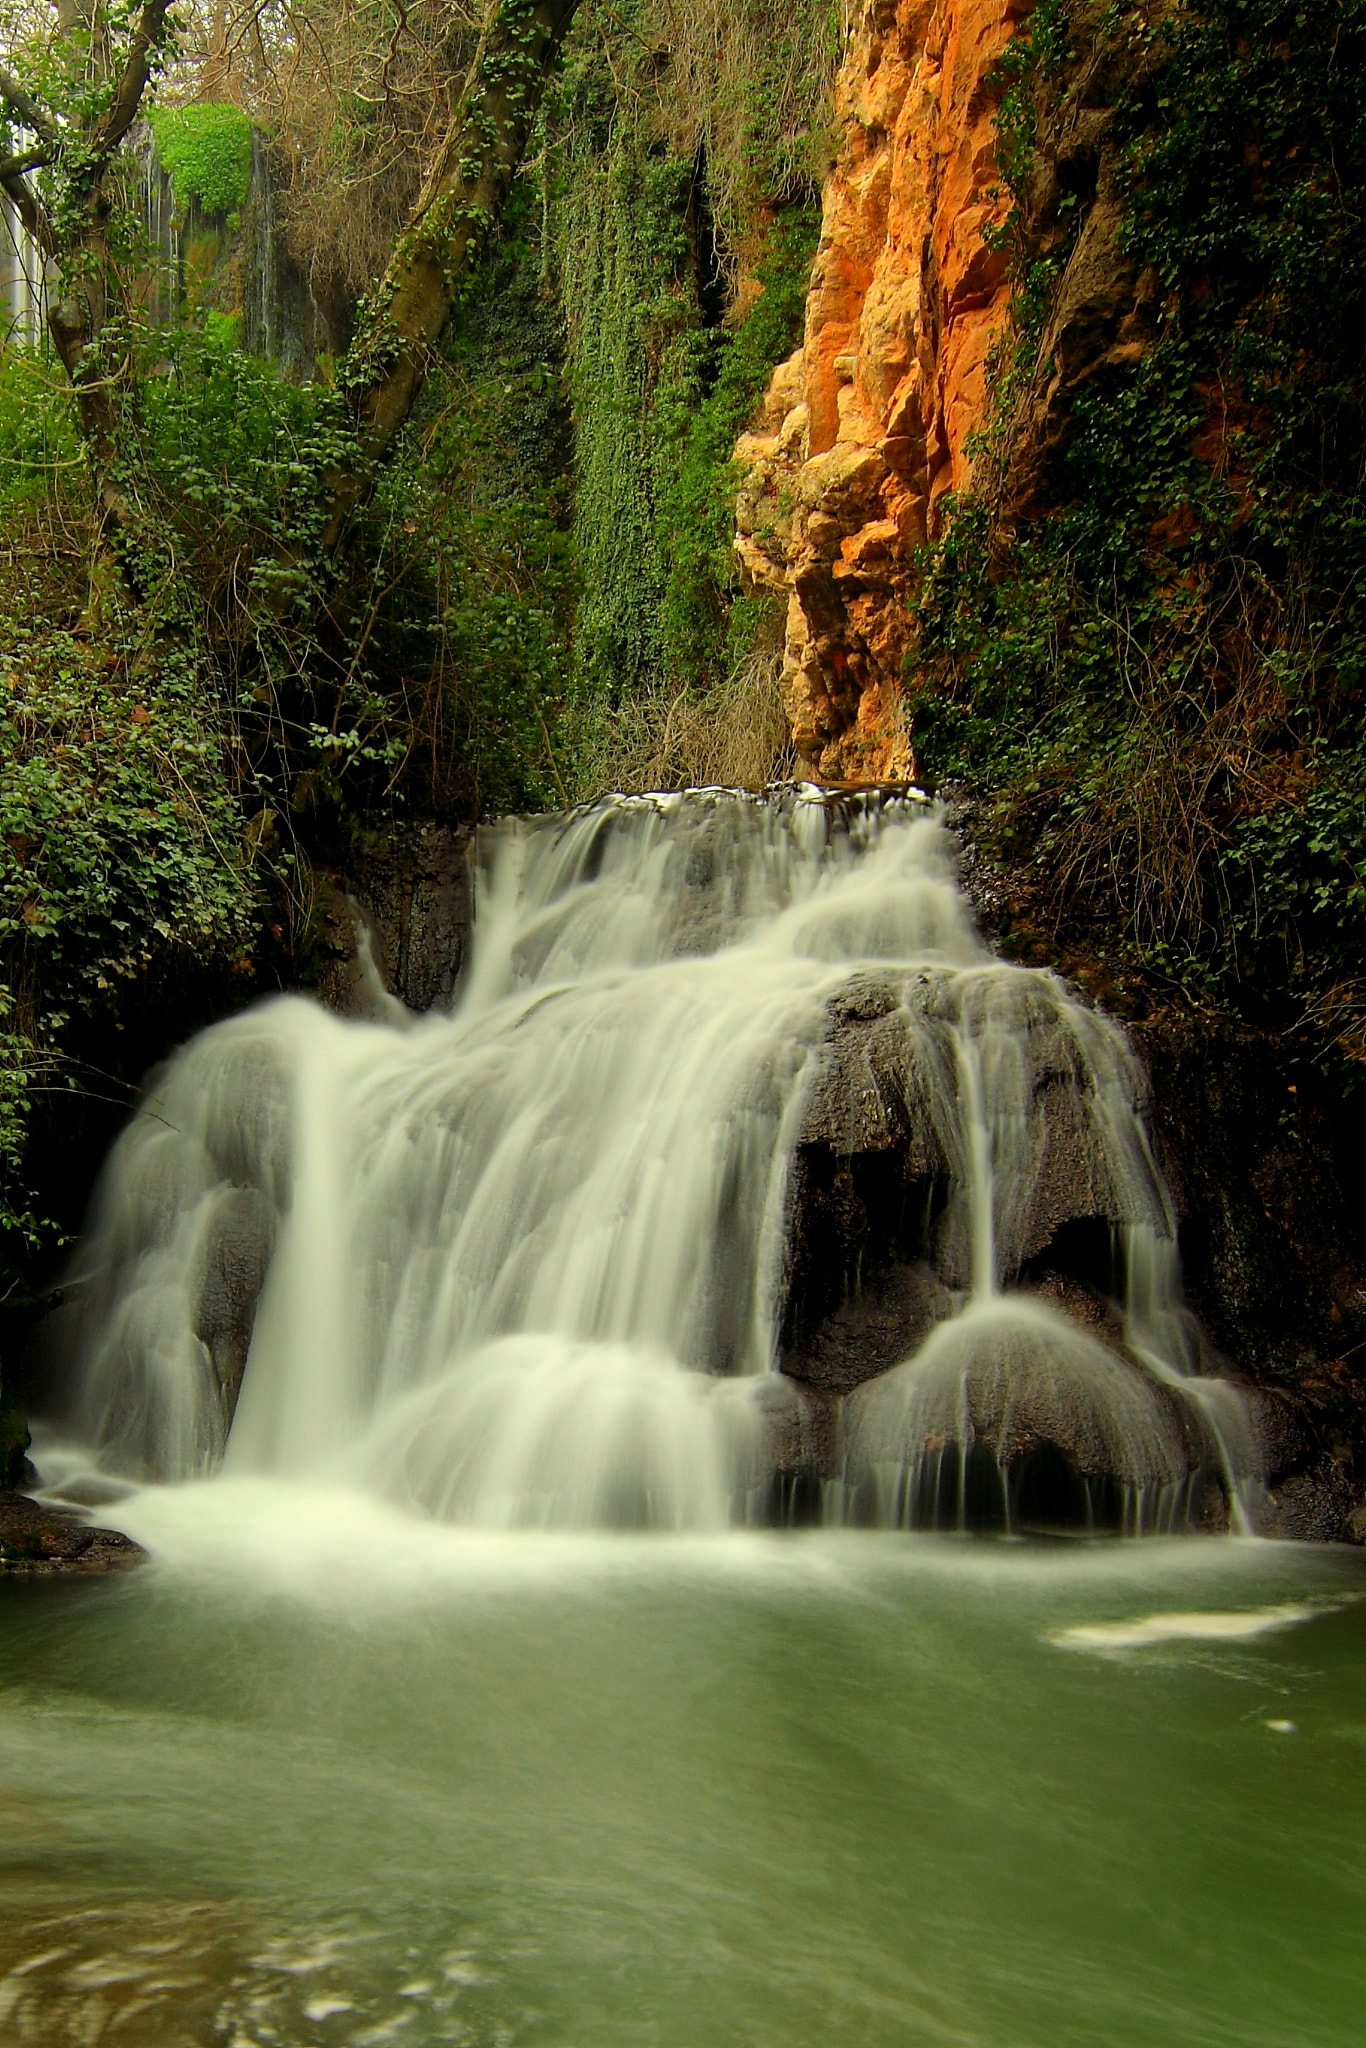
[[1272, 1235], [396, 920], [867, 427], [43, 1540], [235, 1265], [15, 1468], [1070, 1425]]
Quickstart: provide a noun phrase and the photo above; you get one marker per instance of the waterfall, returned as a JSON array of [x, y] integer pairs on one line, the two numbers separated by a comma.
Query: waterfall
[[525, 1263]]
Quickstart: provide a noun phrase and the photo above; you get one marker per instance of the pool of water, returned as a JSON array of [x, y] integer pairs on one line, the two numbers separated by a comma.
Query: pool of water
[[322, 1774]]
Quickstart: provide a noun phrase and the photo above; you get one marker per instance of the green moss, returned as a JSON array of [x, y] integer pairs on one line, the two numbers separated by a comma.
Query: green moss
[[206, 153]]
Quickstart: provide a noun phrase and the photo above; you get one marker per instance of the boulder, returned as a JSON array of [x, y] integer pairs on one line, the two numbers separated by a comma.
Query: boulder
[[15, 1468], [37, 1539]]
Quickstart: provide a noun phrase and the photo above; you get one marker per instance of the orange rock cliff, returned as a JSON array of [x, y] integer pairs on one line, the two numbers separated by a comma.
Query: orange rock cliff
[[866, 427]]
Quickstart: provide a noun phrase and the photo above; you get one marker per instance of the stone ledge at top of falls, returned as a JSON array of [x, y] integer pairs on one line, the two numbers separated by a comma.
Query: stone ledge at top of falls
[[37, 1540]]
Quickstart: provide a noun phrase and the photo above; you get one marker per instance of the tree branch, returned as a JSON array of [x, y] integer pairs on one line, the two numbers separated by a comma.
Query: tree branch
[[25, 108], [30, 210], [27, 160], [123, 108]]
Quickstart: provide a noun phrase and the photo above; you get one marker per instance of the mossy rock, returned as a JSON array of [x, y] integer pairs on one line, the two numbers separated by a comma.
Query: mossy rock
[[14, 1442]]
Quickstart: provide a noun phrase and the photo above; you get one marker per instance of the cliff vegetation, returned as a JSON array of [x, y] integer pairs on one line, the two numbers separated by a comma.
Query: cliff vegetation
[[1141, 627]]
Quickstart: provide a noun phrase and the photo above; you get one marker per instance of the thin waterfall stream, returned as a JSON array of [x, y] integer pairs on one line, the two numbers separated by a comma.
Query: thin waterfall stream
[[526, 1264]]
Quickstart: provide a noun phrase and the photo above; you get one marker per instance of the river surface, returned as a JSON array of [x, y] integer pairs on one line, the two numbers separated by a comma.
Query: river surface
[[323, 1773]]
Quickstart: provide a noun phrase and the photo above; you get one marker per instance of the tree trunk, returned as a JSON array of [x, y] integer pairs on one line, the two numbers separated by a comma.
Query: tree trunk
[[433, 263], [78, 321], [74, 235]]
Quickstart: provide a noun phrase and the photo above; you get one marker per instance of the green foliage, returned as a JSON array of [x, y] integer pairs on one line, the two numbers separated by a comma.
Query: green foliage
[[37, 435], [1297, 882], [1163, 679], [224, 465], [205, 150], [224, 330], [663, 372], [121, 851], [707, 394], [739, 88], [466, 677], [616, 255], [24, 1066], [117, 828], [133, 748]]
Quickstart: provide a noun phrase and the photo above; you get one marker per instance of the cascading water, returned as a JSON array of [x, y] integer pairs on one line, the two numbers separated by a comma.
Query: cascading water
[[524, 1264]]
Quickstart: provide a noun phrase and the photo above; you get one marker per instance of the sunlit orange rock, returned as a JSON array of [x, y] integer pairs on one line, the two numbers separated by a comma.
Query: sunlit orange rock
[[866, 428]]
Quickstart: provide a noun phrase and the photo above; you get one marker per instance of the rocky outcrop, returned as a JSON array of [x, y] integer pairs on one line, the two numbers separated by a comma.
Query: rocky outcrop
[[866, 432], [236, 1260], [395, 920], [867, 428], [15, 1469], [41, 1540], [1272, 1235]]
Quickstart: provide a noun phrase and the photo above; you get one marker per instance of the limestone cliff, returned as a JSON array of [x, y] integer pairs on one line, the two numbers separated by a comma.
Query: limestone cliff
[[866, 428]]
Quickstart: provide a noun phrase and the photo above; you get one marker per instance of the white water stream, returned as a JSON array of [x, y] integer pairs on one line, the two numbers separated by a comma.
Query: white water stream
[[524, 1264]]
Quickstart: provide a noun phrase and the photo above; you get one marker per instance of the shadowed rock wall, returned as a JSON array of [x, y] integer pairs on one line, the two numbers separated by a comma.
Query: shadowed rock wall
[[407, 899]]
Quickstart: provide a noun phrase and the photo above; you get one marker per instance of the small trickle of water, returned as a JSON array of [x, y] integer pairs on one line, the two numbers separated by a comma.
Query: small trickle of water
[[524, 1264]]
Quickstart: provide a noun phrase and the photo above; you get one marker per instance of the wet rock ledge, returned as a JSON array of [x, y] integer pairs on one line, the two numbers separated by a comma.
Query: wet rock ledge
[[43, 1542]]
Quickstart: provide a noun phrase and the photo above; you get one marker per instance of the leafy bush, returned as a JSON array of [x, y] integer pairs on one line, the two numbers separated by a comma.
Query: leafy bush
[[205, 150], [225, 466], [38, 439], [121, 851]]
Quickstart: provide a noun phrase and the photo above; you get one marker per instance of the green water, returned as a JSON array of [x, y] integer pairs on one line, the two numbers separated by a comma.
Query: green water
[[319, 1776]]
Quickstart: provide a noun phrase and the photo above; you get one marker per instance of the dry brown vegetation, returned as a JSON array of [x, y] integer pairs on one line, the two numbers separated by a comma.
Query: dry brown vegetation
[[736, 737]]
